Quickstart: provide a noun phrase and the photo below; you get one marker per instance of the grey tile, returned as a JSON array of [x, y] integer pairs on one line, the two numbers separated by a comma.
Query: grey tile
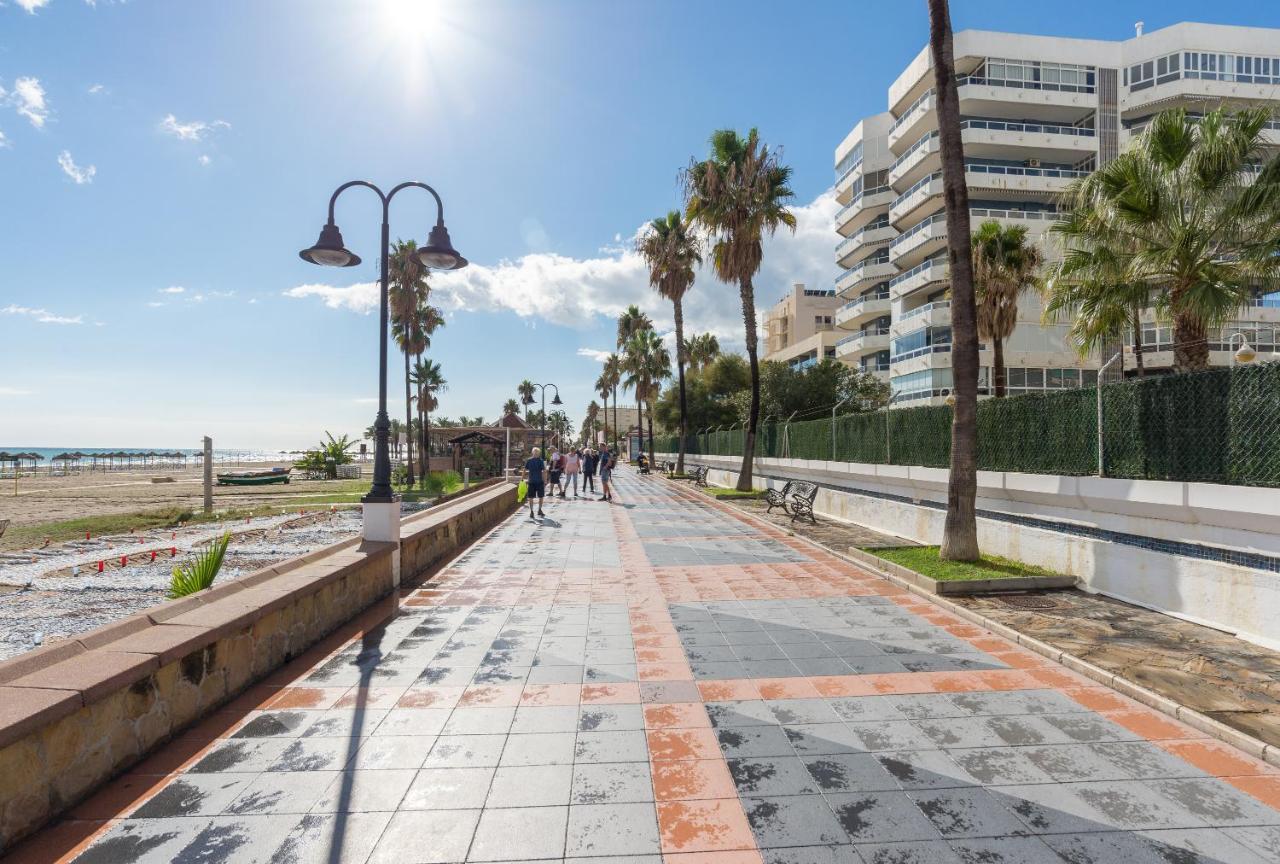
[[881, 817], [1067, 763], [1007, 850], [325, 838], [796, 820], [925, 769], [859, 772], [539, 748], [413, 721], [866, 709], [396, 751], [777, 775], [479, 721], [1089, 728], [959, 813], [999, 766], [531, 786], [612, 829], [241, 756], [1207, 845], [823, 738], [537, 832], [753, 713], [364, 791], [144, 841], [466, 751], [607, 718], [923, 852], [620, 746], [791, 712], [448, 789], [276, 724], [890, 735], [316, 754], [1132, 806], [811, 855], [282, 792], [655, 692], [450, 833], [744, 742], [1215, 802], [545, 718], [194, 795], [1262, 840], [612, 783], [1141, 760]]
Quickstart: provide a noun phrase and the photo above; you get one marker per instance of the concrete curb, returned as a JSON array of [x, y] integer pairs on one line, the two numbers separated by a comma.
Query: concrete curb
[[964, 588], [1200, 722]]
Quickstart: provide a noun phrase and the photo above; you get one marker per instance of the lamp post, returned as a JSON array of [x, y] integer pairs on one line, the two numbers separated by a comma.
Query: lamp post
[[381, 504], [555, 400], [1245, 353]]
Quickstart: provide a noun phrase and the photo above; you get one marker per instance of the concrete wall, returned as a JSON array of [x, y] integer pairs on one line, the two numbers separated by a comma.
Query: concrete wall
[[75, 713], [1239, 599]]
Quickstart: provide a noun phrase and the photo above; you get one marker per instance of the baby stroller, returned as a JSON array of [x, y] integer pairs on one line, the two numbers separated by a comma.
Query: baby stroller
[[644, 464]]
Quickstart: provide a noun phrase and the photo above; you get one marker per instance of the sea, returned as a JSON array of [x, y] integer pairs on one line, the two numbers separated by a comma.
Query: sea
[[219, 455]]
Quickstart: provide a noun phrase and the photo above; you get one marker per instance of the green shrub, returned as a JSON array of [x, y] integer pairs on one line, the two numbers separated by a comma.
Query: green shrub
[[198, 574]]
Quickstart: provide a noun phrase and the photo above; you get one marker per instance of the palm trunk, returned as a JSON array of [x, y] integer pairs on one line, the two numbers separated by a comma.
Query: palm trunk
[[639, 423], [748, 296], [997, 367], [615, 419], [408, 417], [1190, 345], [960, 531], [1137, 346], [679, 310], [651, 454]]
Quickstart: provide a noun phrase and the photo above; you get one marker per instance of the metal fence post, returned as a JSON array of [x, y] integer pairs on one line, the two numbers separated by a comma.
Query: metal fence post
[[1102, 472]]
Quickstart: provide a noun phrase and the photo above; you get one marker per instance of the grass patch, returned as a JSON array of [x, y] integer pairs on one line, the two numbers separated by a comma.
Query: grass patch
[[722, 494], [925, 561]]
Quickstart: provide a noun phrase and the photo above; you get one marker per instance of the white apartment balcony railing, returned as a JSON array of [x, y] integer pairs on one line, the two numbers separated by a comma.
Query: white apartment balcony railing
[[861, 308], [862, 273], [925, 273], [865, 241], [924, 310], [1045, 128], [867, 200], [919, 192], [846, 178], [983, 81], [914, 155], [863, 342], [1028, 215], [1025, 171], [913, 114], [935, 314], [918, 238]]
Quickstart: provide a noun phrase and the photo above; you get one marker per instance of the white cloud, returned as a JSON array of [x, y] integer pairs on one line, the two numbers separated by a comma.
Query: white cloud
[[42, 316], [576, 292], [361, 297], [13, 391], [196, 130], [97, 89], [204, 159], [172, 289], [156, 304], [80, 175], [594, 353], [28, 99], [4, 142], [32, 5]]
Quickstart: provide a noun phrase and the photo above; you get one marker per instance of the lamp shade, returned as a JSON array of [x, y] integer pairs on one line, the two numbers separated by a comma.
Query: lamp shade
[[439, 253], [329, 250], [555, 400]]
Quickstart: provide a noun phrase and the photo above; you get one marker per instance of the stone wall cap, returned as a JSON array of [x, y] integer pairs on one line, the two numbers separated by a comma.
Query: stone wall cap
[[38, 658], [99, 637], [25, 709], [92, 674], [168, 642]]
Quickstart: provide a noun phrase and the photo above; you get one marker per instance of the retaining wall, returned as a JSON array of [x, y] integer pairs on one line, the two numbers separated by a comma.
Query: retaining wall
[[1204, 552], [77, 712]]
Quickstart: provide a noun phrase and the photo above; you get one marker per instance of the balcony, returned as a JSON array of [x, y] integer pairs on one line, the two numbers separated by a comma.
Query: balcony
[[935, 271], [1049, 141], [1012, 179], [846, 180], [981, 95], [923, 191], [851, 315], [865, 342], [915, 162], [862, 209], [911, 124], [863, 275], [933, 314], [869, 239], [920, 242]]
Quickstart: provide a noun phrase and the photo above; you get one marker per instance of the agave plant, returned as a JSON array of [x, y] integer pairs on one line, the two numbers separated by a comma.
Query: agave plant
[[198, 574]]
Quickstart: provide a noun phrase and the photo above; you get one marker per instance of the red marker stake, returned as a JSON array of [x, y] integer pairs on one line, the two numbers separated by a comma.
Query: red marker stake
[[100, 567], [124, 560]]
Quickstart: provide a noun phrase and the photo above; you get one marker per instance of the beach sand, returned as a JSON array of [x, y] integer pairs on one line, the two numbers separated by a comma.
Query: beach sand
[[51, 499]]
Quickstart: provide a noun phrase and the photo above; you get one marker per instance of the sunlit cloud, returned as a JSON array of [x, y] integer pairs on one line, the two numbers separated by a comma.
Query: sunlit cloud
[[32, 5], [28, 99], [41, 316], [173, 289], [594, 353], [361, 297], [97, 89], [13, 391], [195, 130], [4, 142], [78, 174]]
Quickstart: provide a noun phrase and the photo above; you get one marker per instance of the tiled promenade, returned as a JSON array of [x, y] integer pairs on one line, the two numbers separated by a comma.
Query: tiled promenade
[[661, 681]]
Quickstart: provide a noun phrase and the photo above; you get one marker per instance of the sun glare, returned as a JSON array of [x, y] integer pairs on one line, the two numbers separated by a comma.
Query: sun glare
[[420, 22]]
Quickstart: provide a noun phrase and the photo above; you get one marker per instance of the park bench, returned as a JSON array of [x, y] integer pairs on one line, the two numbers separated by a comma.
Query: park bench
[[796, 498]]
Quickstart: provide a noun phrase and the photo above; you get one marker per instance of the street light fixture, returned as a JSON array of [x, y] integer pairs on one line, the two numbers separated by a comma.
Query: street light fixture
[[555, 400], [330, 251], [1245, 353]]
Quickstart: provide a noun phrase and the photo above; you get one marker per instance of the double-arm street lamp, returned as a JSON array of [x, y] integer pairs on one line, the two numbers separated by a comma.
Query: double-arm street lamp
[[438, 254], [555, 400]]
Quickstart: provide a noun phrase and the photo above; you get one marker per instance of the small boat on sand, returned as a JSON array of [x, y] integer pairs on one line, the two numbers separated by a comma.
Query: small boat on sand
[[254, 478]]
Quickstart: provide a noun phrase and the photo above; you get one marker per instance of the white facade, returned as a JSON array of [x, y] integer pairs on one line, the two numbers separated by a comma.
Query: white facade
[[1036, 112]]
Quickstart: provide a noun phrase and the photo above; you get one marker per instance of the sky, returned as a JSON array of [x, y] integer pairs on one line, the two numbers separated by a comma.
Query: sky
[[162, 162]]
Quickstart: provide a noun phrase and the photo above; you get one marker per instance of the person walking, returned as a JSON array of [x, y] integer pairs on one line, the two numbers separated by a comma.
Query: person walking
[[572, 465], [535, 471], [606, 472], [590, 459], [556, 468]]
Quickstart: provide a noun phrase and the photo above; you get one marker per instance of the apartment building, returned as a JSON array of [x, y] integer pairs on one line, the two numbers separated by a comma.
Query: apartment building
[[1037, 112], [800, 328]]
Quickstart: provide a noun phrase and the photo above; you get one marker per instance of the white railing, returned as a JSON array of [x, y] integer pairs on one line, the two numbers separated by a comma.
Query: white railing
[[923, 142], [1010, 126], [925, 309]]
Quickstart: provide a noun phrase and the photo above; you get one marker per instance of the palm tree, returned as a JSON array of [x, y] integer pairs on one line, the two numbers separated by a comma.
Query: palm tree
[[1004, 265], [406, 293], [700, 350], [960, 530], [613, 377], [631, 322], [1190, 213], [589, 427], [602, 387], [510, 407], [430, 383], [647, 362], [737, 195], [526, 389], [671, 250]]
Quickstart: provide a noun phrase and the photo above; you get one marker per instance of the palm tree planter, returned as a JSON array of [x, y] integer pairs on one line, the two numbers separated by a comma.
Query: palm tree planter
[[737, 194]]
